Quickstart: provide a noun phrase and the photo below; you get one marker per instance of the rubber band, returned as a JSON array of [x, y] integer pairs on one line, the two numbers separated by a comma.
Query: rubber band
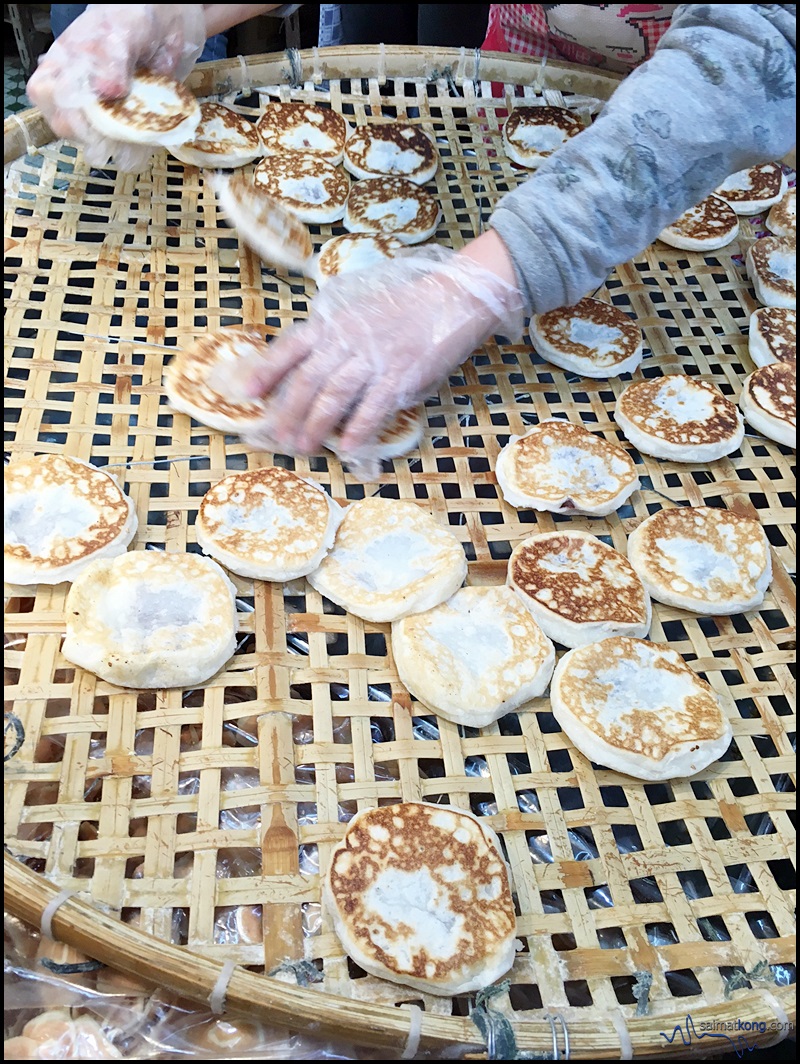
[[621, 1027], [246, 88], [216, 999], [780, 1016], [50, 910], [414, 1033], [30, 147]]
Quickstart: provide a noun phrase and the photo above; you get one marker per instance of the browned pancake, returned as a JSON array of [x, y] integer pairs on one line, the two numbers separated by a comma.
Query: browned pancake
[[773, 335], [592, 338], [577, 588], [393, 149], [157, 110], [223, 138], [188, 386], [532, 134], [782, 218], [308, 186], [355, 251], [420, 895], [769, 401], [710, 225], [394, 206], [755, 189], [679, 417], [303, 128], [59, 514], [772, 267]]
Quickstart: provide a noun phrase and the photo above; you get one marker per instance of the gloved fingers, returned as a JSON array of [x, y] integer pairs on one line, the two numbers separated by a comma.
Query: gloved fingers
[[378, 403], [262, 372], [335, 398], [320, 377]]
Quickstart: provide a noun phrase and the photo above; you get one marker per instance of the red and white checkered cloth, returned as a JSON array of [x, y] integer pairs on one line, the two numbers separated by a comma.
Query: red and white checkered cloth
[[611, 36]]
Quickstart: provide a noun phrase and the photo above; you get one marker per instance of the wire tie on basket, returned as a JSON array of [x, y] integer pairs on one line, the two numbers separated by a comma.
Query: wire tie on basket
[[316, 75], [641, 991], [538, 85], [381, 63], [476, 73], [304, 972], [414, 1033], [247, 88], [50, 910], [295, 68], [621, 1027], [216, 999], [780, 1015], [461, 65], [30, 147]]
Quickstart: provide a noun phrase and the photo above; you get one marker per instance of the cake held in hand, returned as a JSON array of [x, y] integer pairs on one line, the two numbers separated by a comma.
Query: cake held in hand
[[157, 110], [420, 895]]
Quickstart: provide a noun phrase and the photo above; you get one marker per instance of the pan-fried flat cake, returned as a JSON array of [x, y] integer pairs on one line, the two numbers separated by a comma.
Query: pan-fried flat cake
[[475, 657], [157, 110], [309, 187], [354, 251], [711, 224], [149, 619], [392, 149], [769, 402], [400, 436], [59, 515], [420, 895], [224, 138], [638, 708], [304, 128], [753, 190], [267, 524], [190, 378], [772, 267], [782, 218], [702, 559], [394, 206], [592, 338], [563, 468], [680, 418], [532, 134], [578, 589], [773, 335], [390, 559], [263, 224]]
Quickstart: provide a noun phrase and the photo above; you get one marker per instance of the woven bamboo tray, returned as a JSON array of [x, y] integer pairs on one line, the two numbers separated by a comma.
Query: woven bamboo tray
[[184, 806]]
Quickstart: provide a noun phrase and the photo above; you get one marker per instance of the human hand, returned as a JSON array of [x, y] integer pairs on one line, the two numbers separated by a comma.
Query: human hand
[[96, 57], [375, 343]]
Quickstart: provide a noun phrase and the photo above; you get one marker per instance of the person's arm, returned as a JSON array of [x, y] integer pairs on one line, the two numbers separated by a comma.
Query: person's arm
[[221, 17], [718, 95]]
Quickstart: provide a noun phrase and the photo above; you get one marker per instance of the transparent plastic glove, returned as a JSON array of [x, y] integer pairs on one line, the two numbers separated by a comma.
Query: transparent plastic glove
[[96, 57], [376, 342]]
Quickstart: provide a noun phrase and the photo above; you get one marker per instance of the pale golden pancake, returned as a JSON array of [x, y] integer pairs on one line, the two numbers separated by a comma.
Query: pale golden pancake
[[223, 138], [392, 149], [267, 524], [420, 895], [59, 515], [638, 708], [354, 251], [592, 338], [680, 418], [149, 619], [564, 468], [191, 376], [475, 657], [400, 436], [772, 267], [782, 218], [773, 335], [769, 402], [309, 187], [303, 128], [753, 190], [393, 206], [706, 227], [276, 235], [702, 559], [578, 589], [157, 110], [391, 558], [532, 134]]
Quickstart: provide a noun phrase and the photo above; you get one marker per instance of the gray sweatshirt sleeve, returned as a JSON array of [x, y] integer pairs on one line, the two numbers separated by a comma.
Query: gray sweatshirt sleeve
[[717, 95]]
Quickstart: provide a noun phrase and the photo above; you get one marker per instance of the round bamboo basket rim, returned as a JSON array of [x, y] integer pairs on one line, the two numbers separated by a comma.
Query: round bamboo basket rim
[[110, 941]]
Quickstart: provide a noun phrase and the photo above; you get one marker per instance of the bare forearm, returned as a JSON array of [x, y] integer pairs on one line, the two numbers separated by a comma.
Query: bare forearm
[[220, 17]]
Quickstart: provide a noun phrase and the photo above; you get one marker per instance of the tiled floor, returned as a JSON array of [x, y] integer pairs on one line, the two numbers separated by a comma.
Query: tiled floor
[[14, 98]]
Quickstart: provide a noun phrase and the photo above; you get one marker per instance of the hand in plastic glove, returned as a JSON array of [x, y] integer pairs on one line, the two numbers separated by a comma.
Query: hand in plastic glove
[[378, 341], [97, 56]]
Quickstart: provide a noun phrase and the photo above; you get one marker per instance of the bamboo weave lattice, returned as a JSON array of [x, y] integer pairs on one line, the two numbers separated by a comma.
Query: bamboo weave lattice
[[211, 812]]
